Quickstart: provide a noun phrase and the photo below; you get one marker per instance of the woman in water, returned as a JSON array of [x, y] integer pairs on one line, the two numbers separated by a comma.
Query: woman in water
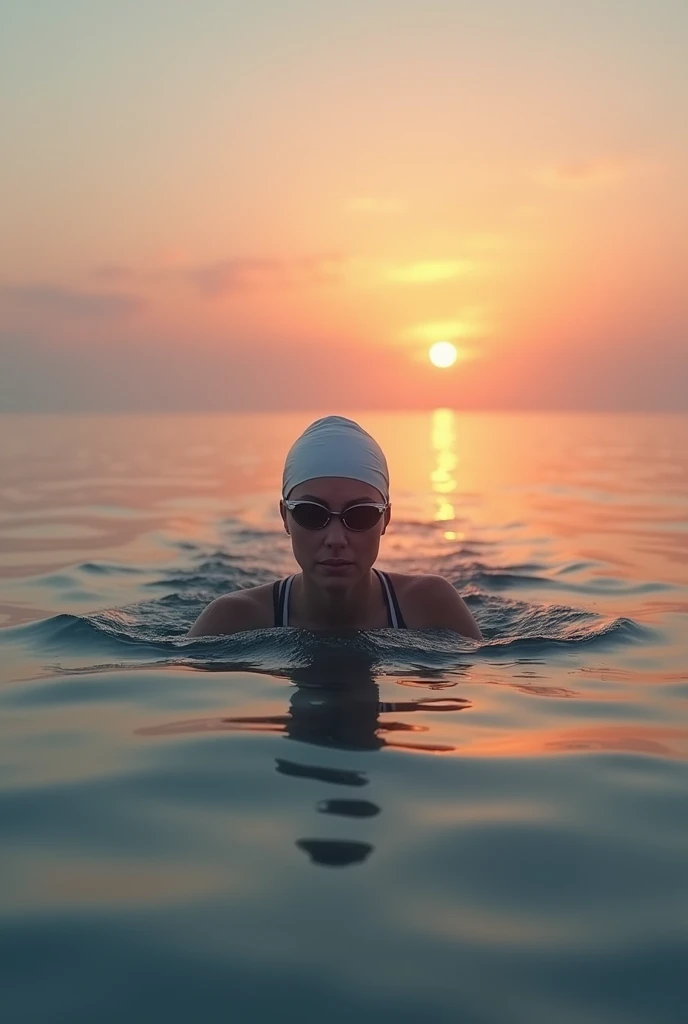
[[335, 507]]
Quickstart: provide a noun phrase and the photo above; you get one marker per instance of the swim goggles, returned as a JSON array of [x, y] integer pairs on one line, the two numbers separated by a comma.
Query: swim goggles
[[357, 518]]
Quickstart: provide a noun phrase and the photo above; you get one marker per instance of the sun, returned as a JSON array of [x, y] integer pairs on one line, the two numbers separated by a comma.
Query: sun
[[442, 354]]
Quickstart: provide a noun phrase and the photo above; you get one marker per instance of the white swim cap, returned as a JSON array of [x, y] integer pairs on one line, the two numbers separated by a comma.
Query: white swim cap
[[335, 446]]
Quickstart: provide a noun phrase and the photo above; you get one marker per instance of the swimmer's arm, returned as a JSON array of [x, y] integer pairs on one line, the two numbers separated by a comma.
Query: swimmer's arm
[[231, 613], [443, 608]]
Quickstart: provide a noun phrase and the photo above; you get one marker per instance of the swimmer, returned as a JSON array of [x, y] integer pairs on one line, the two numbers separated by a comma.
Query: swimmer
[[335, 507]]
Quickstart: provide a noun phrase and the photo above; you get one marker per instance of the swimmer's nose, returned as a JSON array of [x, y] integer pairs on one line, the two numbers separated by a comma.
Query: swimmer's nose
[[335, 533]]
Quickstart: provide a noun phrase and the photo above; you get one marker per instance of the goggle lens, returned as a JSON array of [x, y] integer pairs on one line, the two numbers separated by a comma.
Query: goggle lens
[[361, 517], [311, 516]]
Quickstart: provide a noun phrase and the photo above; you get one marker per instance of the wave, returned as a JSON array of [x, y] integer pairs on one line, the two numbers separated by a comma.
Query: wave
[[150, 634]]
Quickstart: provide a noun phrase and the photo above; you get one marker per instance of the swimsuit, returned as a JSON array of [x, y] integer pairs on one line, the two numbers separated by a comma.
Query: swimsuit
[[280, 600]]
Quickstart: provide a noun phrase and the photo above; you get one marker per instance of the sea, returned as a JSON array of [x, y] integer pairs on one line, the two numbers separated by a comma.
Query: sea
[[353, 826]]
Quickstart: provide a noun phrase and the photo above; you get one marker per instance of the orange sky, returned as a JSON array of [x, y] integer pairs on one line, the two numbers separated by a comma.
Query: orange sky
[[213, 207]]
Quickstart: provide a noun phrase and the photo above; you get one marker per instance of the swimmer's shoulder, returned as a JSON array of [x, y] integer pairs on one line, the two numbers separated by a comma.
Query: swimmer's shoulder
[[237, 612], [431, 602]]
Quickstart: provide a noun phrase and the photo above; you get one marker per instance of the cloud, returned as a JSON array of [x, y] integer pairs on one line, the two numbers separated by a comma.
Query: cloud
[[234, 274], [472, 324], [239, 275], [57, 301], [168, 260], [114, 272], [581, 174], [488, 241], [378, 206], [430, 271]]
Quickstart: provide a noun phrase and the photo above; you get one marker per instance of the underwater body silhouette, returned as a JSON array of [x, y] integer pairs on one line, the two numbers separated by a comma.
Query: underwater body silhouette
[[335, 704]]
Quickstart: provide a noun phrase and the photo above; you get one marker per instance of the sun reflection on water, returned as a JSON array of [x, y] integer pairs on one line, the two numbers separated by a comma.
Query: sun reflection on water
[[443, 473]]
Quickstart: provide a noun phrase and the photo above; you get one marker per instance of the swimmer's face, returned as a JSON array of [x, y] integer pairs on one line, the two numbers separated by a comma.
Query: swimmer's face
[[335, 556]]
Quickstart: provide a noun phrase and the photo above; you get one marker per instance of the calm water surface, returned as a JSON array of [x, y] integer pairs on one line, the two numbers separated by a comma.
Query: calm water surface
[[376, 826]]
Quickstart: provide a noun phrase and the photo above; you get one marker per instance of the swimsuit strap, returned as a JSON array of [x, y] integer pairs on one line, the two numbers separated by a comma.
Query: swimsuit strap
[[280, 600], [394, 616]]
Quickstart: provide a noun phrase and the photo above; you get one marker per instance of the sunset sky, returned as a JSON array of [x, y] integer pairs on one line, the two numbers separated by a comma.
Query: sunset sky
[[220, 205]]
